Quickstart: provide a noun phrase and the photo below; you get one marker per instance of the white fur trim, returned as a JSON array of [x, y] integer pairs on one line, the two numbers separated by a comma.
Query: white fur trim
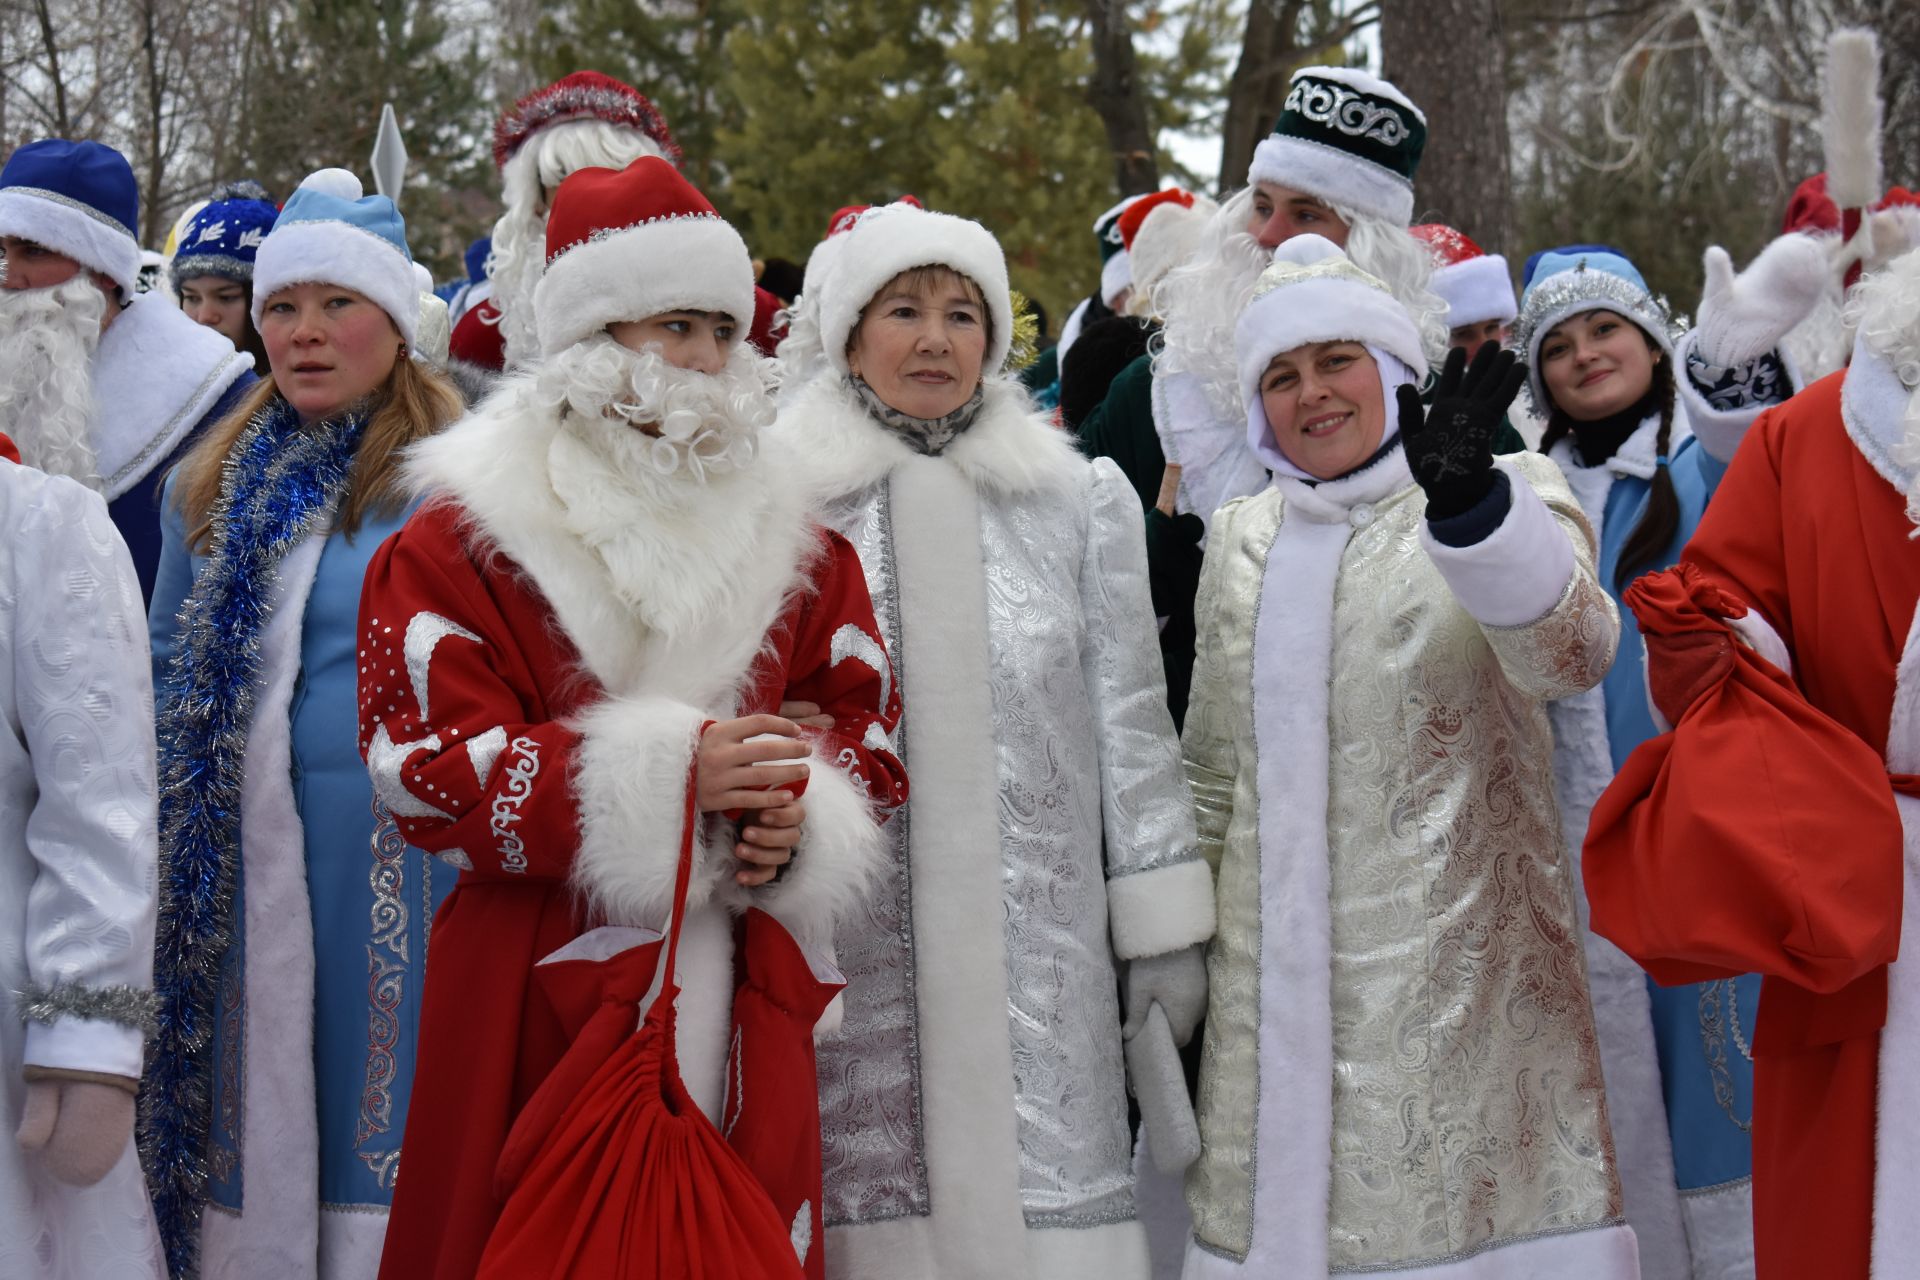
[[337, 253], [834, 866], [1873, 405], [1763, 639], [826, 441], [1335, 176], [73, 232], [1516, 574], [1896, 1177], [1477, 290], [350, 1242], [1168, 236], [1112, 1251], [1116, 276], [277, 1231], [155, 376], [1719, 1224], [1850, 117], [1320, 309], [84, 1044], [1153, 912], [1597, 1253], [630, 775], [1070, 332], [679, 264], [897, 238]]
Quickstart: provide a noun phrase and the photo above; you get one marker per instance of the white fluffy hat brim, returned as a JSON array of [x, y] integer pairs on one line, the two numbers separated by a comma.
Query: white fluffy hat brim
[[1326, 309], [337, 253], [1476, 291], [1336, 176], [674, 264], [68, 228], [886, 242], [1571, 293]]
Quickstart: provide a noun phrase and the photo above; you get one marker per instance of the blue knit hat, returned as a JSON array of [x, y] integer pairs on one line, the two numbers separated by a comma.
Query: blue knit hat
[[330, 233], [223, 237], [1577, 279], [75, 198]]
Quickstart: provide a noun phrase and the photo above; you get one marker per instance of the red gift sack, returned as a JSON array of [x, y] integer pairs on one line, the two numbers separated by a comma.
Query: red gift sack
[[611, 1172]]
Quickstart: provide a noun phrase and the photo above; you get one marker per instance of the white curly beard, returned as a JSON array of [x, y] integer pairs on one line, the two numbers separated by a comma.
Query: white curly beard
[[47, 342], [1884, 309]]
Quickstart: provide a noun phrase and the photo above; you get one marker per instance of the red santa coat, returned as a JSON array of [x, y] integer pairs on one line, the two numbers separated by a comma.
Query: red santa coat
[[477, 339], [1814, 537], [525, 724]]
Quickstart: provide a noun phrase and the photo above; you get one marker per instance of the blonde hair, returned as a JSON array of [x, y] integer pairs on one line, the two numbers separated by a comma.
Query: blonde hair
[[413, 403]]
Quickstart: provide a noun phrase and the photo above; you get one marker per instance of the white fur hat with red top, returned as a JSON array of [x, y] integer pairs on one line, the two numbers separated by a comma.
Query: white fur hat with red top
[[636, 242], [1475, 285]]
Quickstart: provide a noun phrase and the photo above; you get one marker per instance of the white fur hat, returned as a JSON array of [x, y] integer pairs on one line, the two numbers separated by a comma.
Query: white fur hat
[[900, 237], [330, 233], [1347, 137]]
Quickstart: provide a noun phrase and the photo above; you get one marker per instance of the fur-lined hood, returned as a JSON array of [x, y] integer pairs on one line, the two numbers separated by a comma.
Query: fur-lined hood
[[826, 439]]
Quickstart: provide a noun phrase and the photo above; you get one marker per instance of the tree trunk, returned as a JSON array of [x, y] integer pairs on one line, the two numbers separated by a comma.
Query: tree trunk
[[63, 127], [1269, 51], [156, 90], [1115, 93], [1447, 56]]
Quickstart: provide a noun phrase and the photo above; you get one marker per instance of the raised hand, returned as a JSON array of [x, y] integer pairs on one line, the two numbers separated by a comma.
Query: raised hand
[[1450, 443]]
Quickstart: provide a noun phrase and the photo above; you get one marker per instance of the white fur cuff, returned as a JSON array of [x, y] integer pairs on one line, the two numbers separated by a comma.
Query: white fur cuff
[[1153, 912], [630, 779], [84, 1044], [839, 854], [1519, 572]]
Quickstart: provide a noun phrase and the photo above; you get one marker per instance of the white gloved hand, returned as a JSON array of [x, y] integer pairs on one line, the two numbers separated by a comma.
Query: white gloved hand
[[1177, 982], [1743, 317], [78, 1129], [1160, 1086]]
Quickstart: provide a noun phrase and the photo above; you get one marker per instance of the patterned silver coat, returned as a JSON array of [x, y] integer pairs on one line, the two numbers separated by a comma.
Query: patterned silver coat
[[973, 1103], [1400, 1068]]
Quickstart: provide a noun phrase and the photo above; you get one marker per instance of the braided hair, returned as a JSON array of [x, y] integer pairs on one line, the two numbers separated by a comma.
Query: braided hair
[[1661, 520]]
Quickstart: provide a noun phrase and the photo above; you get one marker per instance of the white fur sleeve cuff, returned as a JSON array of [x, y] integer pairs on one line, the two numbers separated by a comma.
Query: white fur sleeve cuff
[[630, 780], [1150, 913], [84, 1044], [839, 855], [1516, 574]]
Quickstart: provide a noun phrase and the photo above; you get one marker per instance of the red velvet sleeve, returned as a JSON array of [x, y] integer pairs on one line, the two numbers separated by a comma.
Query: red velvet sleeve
[[839, 663], [460, 743]]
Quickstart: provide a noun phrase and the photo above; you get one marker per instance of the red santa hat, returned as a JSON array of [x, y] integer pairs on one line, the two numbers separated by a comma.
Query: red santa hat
[[584, 95], [1475, 284], [633, 243]]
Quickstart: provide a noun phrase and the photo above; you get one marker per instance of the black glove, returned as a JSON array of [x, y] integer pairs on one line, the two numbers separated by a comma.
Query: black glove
[[1450, 445]]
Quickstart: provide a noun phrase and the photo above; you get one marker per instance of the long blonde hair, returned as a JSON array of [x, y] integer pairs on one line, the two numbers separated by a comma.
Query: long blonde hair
[[412, 404]]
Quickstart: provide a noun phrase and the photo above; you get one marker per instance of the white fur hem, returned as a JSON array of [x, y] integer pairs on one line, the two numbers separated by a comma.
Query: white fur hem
[[904, 1247], [679, 264], [630, 776], [839, 854], [1153, 912], [1519, 572], [1595, 1253], [351, 1238], [1336, 176]]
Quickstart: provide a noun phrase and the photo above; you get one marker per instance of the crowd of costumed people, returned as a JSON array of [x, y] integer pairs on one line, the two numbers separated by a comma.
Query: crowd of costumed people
[[745, 768]]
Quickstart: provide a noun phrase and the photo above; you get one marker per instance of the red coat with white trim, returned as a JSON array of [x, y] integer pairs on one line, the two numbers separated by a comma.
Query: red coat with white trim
[[1808, 533], [526, 725]]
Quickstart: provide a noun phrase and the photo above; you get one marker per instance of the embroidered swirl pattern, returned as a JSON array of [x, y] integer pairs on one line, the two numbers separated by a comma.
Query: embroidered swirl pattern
[[386, 976], [1353, 114], [517, 785]]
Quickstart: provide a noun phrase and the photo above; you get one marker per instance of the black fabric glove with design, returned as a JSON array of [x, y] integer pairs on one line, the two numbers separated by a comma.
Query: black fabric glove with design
[[1449, 443]]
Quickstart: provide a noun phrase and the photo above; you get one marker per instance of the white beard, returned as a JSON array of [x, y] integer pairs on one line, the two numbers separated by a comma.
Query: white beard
[[1200, 302], [671, 516], [47, 342], [1884, 309]]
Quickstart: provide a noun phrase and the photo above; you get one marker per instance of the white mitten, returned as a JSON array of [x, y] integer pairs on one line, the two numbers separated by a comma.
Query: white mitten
[[1160, 1086], [1743, 317], [1177, 982], [78, 1128]]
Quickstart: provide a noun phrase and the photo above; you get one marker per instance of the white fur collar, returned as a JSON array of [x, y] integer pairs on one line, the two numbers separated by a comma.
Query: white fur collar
[[1636, 456], [830, 441], [155, 375], [1873, 404], [1335, 501], [750, 539]]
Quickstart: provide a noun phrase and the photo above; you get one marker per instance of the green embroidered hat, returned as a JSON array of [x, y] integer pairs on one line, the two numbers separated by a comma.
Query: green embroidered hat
[[1348, 137]]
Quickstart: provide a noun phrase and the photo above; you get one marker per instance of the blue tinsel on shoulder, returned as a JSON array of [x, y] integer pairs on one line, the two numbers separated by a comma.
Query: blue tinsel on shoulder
[[281, 482]]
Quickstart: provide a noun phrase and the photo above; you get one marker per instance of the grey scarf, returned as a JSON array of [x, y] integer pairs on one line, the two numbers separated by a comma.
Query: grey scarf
[[930, 436]]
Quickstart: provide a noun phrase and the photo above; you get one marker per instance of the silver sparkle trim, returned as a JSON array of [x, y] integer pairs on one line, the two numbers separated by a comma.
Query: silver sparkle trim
[[850, 643], [482, 750], [123, 1006], [385, 761], [1576, 291], [424, 631], [78, 206]]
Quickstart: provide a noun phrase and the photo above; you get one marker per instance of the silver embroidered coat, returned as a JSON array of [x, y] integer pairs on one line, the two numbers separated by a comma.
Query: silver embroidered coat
[[77, 853], [1371, 765], [973, 1105]]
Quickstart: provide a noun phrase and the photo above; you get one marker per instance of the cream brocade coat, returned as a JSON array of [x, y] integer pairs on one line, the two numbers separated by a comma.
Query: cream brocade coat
[[1372, 769]]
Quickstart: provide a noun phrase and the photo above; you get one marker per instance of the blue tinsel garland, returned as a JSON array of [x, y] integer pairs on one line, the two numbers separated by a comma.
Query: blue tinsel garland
[[280, 482]]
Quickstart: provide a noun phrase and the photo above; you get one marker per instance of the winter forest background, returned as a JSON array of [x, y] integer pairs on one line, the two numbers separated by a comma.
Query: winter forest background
[[1659, 126]]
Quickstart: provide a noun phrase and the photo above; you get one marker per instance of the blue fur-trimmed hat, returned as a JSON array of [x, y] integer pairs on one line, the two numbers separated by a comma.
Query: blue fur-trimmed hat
[[329, 232], [75, 198], [224, 236], [1348, 138], [1577, 279]]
